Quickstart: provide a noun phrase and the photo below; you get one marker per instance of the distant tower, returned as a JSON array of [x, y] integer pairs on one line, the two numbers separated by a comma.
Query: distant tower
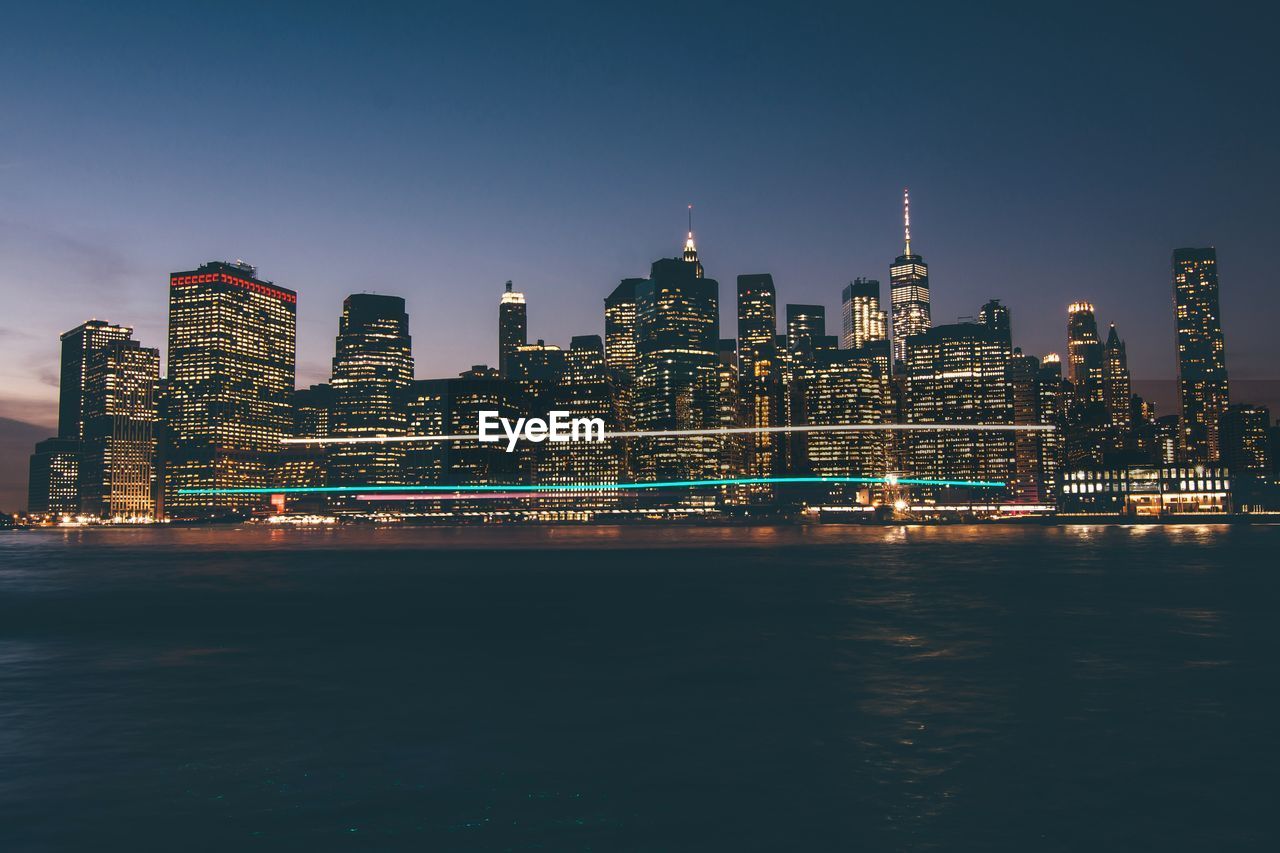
[[908, 290], [77, 345], [996, 315], [1115, 379], [1202, 361], [862, 321], [513, 326], [690, 250], [1084, 351]]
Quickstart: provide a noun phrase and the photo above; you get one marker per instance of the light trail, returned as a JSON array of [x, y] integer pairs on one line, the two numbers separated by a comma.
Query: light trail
[[677, 433], [584, 487]]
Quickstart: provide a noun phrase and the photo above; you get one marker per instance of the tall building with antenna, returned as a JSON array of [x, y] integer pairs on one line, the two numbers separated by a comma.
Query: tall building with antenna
[[908, 290], [513, 326]]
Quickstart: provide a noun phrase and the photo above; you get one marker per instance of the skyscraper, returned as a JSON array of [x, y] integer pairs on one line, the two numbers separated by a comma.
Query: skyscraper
[[806, 329], [677, 376], [232, 341], [908, 290], [957, 374], [861, 320], [372, 369], [1245, 437], [759, 375], [845, 387], [620, 328], [1084, 352], [118, 465], [77, 345], [513, 326], [995, 315], [1202, 360], [1117, 393]]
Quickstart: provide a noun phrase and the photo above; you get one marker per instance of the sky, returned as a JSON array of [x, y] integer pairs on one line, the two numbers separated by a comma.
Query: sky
[[435, 151]]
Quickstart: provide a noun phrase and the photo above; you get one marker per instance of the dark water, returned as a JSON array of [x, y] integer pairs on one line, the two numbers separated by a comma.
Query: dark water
[[1100, 688]]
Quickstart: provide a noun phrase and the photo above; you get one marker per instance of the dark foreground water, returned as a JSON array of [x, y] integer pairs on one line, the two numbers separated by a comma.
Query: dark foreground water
[[1074, 688]]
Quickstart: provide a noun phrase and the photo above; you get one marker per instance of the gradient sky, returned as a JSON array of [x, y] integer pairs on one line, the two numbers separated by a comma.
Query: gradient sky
[[434, 152]]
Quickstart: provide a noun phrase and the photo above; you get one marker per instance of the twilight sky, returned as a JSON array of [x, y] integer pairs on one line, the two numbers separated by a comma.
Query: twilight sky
[[434, 152]]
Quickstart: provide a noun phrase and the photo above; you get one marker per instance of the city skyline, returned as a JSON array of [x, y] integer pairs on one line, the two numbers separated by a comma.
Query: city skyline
[[436, 155]]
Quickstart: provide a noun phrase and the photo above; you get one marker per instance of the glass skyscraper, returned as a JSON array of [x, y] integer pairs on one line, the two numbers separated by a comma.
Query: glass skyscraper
[[1202, 358]]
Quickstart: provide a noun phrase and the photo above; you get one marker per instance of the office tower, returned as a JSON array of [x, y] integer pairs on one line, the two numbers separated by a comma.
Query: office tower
[[118, 462], [1028, 482], [583, 390], [1115, 380], [230, 386], [372, 369], [1202, 360], [995, 315], [513, 326], [757, 325], [1084, 352], [957, 374], [1169, 442], [759, 377], [620, 328], [1050, 404], [806, 330], [845, 387], [77, 345], [54, 476], [908, 290], [303, 465], [536, 371], [861, 320], [452, 407], [1245, 440], [620, 346], [677, 376]]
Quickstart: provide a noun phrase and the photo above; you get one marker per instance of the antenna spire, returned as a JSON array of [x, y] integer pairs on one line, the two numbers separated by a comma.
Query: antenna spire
[[906, 217], [690, 250]]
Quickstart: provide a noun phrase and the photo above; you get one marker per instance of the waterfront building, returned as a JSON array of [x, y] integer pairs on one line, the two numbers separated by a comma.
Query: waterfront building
[[861, 319], [957, 374], [303, 465], [1028, 482], [1146, 490], [1052, 403], [77, 345], [1202, 360], [908, 291], [759, 380], [1117, 393], [513, 326], [620, 345], [118, 461], [230, 386], [53, 480], [372, 370]]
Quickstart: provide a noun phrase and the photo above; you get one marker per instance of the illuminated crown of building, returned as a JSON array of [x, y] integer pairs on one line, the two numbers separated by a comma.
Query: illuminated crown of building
[[690, 250]]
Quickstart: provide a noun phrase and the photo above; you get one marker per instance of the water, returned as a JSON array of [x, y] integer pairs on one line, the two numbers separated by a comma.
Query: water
[[1021, 688]]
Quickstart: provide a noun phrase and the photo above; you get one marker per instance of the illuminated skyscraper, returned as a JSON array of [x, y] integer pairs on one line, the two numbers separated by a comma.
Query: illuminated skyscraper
[[583, 390], [845, 387], [513, 326], [1202, 360], [862, 321], [995, 315], [372, 369], [957, 374], [1084, 352], [1117, 393], [303, 465], [620, 345], [118, 465], [536, 370], [677, 376], [908, 290], [77, 345], [806, 329], [1049, 388], [230, 386], [759, 377]]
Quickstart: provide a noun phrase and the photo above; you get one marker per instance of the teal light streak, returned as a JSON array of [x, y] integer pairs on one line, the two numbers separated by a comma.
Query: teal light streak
[[585, 487]]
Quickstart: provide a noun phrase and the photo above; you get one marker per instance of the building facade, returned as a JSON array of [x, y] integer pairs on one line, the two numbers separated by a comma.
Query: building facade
[[908, 291], [1202, 358]]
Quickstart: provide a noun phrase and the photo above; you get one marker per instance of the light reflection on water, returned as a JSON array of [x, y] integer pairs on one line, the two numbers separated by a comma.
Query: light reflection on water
[[673, 687]]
